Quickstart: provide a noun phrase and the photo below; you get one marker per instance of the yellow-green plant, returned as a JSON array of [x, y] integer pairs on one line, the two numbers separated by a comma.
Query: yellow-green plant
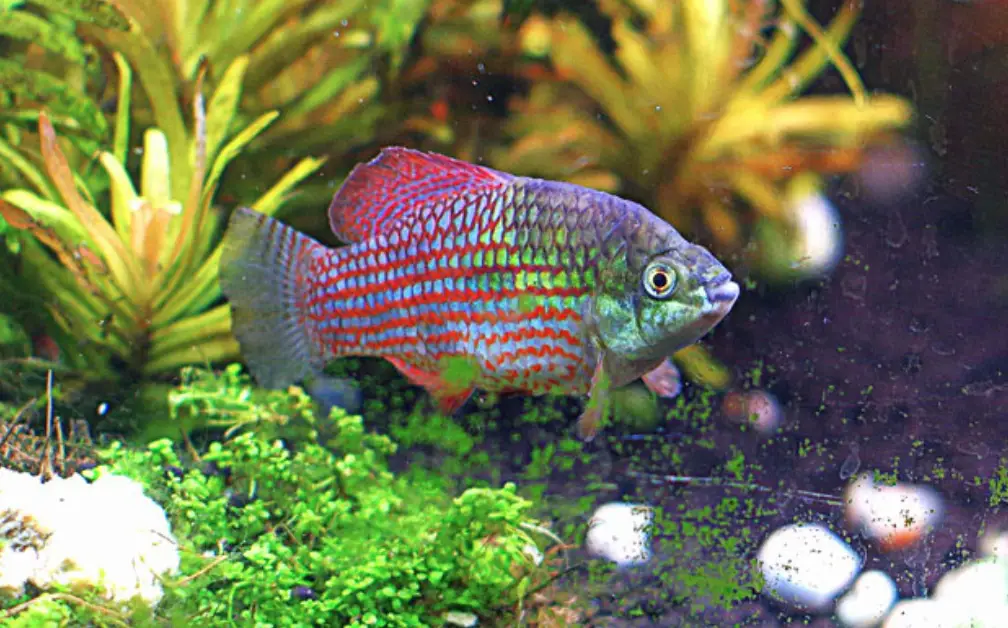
[[323, 64], [696, 112], [135, 285]]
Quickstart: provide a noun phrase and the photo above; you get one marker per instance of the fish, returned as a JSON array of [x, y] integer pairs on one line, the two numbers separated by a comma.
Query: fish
[[464, 277]]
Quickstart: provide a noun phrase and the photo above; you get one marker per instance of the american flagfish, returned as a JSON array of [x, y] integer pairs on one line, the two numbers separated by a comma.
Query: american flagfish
[[535, 286]]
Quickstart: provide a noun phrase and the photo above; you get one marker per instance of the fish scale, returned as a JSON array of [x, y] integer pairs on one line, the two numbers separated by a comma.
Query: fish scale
[[537, 286], [507, 272]]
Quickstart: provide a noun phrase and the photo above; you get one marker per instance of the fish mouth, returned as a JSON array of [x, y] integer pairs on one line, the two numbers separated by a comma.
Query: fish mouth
[[722, 294]]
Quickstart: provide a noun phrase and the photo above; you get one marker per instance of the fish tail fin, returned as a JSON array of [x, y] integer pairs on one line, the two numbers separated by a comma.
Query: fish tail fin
[[264, 273]]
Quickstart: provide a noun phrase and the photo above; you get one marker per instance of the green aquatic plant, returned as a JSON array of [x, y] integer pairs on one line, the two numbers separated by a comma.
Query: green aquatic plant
[[329, 535], [131, 288], [695, 111], [44, 63], [325, 65]]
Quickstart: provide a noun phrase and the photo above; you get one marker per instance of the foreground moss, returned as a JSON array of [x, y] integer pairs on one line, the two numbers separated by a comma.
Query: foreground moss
[[273, 533]]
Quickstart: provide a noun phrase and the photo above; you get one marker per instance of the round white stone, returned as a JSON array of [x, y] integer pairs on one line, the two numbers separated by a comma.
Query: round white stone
[[620, 532], [898, 515], [868, 601], [807, 565]]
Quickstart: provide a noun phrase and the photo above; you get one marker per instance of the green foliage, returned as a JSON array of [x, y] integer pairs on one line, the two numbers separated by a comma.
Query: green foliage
[[373, 548], [136, 281], [694, 111], [46, 64], [999, 485]]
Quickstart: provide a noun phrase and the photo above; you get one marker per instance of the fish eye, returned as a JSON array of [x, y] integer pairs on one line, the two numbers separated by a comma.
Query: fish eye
[[659, 280]]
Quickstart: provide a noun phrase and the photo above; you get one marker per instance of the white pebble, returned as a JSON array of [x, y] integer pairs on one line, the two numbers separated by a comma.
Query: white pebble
[[974, 595], [533, 552], [868, 601], [818, 240], [807, 565], [620, 532], [981, 585], [896, 516], [922, 613], [994, 543], [461, 618]]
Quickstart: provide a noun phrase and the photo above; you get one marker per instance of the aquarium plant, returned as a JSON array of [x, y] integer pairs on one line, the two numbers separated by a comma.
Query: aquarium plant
[[273, 528], [129, 289], [698, 110]]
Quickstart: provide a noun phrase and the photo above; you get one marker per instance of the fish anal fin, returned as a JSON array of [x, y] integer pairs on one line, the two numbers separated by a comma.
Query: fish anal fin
[[448, 395], [377, 194]]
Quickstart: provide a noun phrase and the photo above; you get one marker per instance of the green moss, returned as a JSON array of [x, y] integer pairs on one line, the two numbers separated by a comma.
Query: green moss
[[999, 485], [270, 531]]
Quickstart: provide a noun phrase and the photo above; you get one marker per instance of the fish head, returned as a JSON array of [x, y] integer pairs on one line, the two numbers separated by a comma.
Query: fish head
[[660, 294]]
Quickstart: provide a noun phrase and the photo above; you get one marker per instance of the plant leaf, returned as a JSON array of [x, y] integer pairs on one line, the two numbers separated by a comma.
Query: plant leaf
[[38, 86], [123, 195], [56, 217], [112, 250], [269, 202], [325, 90], [28, 170], [158, 82], [121, 136], [98, 12], [261, 19], [155, 183], [29, 27], [287, 45], [231, 150], [223, 104]]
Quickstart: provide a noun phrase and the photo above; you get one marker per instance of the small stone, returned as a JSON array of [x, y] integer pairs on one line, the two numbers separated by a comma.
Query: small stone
[[460, 618], [868, 601], [896, 516], [807, 566], [977, 584], [994, 543], [303, 593], [620, 532]]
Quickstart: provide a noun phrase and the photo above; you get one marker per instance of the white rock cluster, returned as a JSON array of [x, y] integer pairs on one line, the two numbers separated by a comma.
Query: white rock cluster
[[809, 568], [106, 534], [974, 595]]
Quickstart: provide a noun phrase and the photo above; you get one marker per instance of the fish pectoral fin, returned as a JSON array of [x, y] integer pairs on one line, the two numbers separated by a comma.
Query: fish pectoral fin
[[664, 380], [598, 406], [449, 396]]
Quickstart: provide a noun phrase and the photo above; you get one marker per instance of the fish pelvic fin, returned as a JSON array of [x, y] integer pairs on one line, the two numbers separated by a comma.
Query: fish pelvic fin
[[377, 194], [264, 271]]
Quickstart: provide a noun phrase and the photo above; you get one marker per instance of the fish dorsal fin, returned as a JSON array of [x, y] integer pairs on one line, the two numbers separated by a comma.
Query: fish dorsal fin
[[397, 182]]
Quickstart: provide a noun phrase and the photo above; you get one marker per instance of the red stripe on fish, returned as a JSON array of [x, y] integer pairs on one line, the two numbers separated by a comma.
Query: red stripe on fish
[[336, 300]]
